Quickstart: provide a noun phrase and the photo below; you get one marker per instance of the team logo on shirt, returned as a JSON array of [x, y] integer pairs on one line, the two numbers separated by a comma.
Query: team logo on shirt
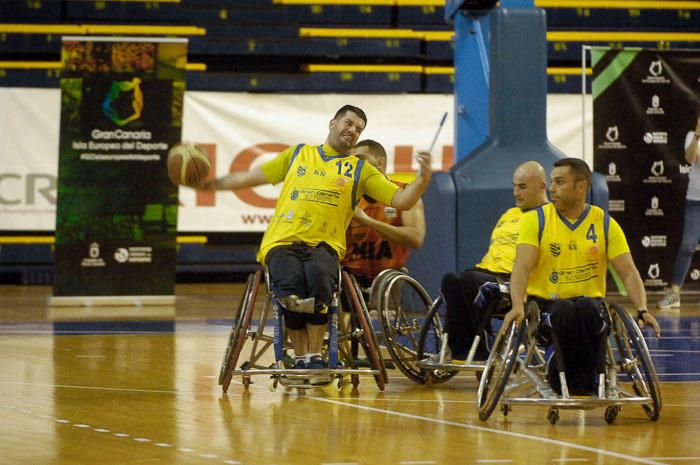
[[301, 171], [554, 249], [553, 277]]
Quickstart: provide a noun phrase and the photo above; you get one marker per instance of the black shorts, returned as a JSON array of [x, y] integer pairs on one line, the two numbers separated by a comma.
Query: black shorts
[[304, 271]]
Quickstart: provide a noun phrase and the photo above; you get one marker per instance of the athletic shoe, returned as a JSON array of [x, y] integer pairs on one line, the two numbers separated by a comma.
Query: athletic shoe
[[670, 300]]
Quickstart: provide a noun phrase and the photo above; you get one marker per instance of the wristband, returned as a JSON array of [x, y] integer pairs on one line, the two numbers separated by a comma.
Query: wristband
[[641, 312]]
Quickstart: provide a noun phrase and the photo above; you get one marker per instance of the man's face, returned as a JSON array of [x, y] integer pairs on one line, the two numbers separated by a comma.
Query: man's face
[[363, 152], [527, 190], [344, 131], [565, 190]]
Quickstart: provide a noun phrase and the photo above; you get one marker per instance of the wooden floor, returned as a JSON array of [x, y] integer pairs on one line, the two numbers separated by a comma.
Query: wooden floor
[[139, 385]]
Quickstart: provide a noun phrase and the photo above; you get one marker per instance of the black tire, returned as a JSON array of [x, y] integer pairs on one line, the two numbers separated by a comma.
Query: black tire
[[241, 323], [635, 360], [369, 340], [498, 368], [403, 305], [430, 341]]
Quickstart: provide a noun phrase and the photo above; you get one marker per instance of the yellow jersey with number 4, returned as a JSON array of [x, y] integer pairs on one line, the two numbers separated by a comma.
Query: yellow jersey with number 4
[[321, 188], [573, 254]]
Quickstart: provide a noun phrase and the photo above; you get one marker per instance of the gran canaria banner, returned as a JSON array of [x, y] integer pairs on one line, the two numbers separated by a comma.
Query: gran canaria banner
[[646, 103], [116, 213]]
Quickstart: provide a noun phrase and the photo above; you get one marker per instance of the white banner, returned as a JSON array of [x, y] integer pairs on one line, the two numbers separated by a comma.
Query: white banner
[[240, 131]]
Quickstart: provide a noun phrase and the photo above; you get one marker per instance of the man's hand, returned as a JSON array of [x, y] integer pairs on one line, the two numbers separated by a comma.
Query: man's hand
[[647, 318], [360, 215], [515, 315], [424, 160]]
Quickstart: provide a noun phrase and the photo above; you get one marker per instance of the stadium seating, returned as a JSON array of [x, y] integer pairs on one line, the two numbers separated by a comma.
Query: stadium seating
[[323, 45]]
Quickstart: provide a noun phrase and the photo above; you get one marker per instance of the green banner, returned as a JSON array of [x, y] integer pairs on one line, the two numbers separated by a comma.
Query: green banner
[[116, 218]]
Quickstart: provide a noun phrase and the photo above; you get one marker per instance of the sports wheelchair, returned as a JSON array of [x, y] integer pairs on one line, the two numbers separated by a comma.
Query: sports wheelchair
[[336, 351], [402, 305], [516, 371], [494, 299]]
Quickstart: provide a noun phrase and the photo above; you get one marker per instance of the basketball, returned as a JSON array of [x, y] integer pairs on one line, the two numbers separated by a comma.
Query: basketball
[[188, 164]]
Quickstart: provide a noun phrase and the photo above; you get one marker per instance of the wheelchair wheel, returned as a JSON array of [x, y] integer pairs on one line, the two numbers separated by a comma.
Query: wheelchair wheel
[[498, 368], [369, 339], [635, 360], [402, 304], [241, 322], [430, 342]]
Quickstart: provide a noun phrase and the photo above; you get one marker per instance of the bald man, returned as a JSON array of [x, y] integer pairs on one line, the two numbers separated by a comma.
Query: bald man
[[460, 290]]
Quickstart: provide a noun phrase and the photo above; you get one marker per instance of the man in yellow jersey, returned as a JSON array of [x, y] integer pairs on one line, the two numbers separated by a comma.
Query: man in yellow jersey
[[305, 239], [380, 236], [461, 290], [561, 263]]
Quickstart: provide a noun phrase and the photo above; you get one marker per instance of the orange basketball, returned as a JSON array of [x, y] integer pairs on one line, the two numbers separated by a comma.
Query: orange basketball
[[188, 164]]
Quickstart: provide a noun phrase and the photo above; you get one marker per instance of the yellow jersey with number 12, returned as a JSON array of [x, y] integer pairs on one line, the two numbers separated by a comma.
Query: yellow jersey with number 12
[[321, 188], [573, 254]]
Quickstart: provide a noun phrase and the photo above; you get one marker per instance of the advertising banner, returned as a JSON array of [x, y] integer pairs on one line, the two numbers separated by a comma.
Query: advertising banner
[[116, 216], [240, 130], [644, 104]]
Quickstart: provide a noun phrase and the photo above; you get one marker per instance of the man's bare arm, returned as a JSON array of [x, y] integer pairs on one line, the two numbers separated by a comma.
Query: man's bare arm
[[411, 234], [238, 180]]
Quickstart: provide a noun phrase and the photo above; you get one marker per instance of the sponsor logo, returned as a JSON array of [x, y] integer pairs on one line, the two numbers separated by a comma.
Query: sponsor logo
[[653, 273], [657, 174], [93, 259], [616, 205], [655, 137], [320, 172], [592, 253], [612, 134], [654, 209], [573, 246], [134, 254], [301, 171], [289, 215], [685, 169], [295, 194], [654, 241], [612, 175], [117, 88], [655, 76], [655, 108], [695, 274]]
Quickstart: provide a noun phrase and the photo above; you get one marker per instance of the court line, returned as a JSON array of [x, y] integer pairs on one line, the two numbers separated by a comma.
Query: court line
[[556, 442]]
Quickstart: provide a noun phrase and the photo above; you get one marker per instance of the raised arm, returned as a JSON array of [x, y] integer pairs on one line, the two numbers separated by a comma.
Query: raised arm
[[624, 267], [238, 180], [410, 234], [406, 198]]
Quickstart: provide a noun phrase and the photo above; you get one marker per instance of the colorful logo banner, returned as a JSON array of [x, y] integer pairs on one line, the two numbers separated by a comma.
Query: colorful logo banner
[[116, 216]]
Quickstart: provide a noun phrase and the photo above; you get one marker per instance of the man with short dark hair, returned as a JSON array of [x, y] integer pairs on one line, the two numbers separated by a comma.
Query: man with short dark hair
[[306, 236]]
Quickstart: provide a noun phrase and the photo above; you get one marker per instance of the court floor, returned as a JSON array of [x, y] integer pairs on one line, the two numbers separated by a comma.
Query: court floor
[[139, 385]]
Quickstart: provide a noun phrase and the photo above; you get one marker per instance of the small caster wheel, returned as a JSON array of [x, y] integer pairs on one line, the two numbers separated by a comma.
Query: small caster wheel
[[429, 378], [246, 382], [611, 414], [553, 416], [272, 384], [337, 384], [355, 380]]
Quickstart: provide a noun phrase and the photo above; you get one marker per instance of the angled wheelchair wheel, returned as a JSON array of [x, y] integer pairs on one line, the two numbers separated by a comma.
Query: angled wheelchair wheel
[[241, 323], [431, 339], [498, 368], [635, 359], [403, 305], [369, 339]]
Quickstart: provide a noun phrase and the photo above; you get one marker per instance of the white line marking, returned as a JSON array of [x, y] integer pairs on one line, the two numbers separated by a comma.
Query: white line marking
[[185, 449], [121, 435], [60, 420], [416, 462], [208, 456], [90, 356], [494, 461], [101, 430], [232, 462], [570, 460], [556, 442], [82, 425], [163, 444], [675, 458], [142, 440]]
